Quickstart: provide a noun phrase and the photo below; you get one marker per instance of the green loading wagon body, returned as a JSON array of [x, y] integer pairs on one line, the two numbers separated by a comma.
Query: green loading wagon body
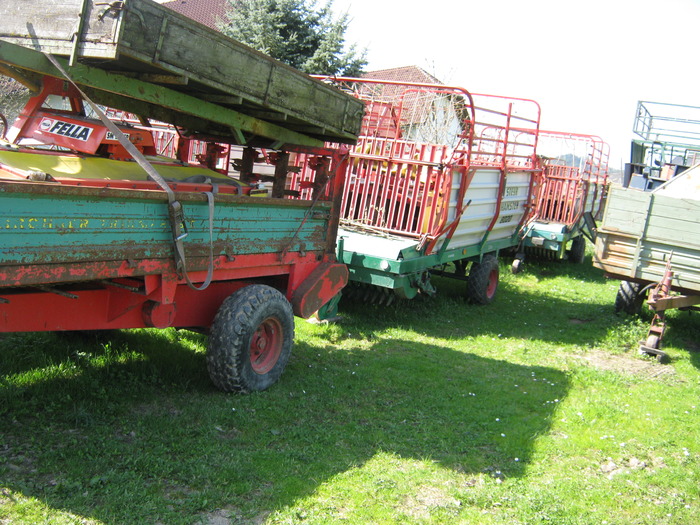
[[440, 181], [572, 188]]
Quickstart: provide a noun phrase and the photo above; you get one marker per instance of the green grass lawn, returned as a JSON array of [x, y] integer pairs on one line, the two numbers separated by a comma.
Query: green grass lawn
[[534, 409]]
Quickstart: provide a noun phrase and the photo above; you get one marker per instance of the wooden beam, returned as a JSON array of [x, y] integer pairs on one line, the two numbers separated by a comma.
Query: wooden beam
[[180, 105]]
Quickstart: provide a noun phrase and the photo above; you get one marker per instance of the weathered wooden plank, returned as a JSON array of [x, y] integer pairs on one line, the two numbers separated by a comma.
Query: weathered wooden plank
[[615, 256], [664, 206], [625, 212], [51, 20], [52, 224], [145, 37], [143, 98], [673, 221], [634, 249], [674, 232]]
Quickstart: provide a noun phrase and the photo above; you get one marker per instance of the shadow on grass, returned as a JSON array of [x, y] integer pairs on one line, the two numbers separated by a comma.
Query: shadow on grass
[[146, 438], [129, 429], [81, 351], [546, 267], [530, 315], [683, 331]]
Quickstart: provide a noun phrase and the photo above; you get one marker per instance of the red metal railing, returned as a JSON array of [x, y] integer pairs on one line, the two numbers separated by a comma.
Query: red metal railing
[[416, 138], [572, 183], [505, 132], [395, 185], [561, 194], [169, 143]]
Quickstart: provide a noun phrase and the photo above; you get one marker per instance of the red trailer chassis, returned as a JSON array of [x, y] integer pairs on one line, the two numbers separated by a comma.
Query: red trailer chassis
[[105, 248]]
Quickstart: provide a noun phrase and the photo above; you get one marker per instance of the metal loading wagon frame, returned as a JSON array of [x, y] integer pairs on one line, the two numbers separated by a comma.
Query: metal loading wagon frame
[[439, 176], [666, 143], [571, 190], [400, 185], [569, 185]]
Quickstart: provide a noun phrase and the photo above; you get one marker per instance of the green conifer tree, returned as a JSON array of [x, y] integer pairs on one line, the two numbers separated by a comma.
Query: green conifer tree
[[296, 32]]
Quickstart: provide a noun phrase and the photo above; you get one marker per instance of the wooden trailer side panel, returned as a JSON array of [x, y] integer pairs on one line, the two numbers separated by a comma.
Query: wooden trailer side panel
[[51, 25], [55, 226], [642, 230]]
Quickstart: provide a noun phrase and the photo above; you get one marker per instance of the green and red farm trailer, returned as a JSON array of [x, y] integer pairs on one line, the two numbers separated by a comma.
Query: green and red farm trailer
[[440, 182], [569, 198], [100, 232]]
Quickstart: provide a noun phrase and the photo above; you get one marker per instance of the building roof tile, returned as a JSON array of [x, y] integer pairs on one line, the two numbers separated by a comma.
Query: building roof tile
[[207, 12]]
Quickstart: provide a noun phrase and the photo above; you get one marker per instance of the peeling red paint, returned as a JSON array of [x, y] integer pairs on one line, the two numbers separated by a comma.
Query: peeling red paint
[[120, 284]]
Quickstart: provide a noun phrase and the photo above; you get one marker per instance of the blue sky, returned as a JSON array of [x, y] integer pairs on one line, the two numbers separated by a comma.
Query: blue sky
[[586, 63]]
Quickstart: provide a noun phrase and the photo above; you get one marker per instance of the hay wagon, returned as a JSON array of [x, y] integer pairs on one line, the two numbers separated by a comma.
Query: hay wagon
[[100, 232]]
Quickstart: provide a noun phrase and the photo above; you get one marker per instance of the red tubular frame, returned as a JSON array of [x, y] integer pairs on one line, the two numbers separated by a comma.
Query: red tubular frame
[[400, 185], [564, 190]]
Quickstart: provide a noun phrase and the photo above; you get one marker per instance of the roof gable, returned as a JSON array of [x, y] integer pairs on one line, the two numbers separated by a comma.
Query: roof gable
[[207, 12], [410, 74]]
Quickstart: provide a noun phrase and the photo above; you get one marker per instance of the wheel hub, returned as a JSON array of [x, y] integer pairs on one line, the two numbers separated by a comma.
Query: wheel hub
[[266, 345]]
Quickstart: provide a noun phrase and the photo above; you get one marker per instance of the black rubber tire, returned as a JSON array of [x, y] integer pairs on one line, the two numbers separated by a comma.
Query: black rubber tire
[[482, 282], [255, 317], [577, 252], [653, 341], [629, 298], [516, 267]]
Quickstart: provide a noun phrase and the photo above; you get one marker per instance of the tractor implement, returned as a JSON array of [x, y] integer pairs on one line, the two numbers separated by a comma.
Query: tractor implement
[[649, 240], [440, 181], [569, 197]]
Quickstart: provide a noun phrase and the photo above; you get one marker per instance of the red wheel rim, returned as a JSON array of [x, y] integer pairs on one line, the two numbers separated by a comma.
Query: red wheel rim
[[266, 345], [492, 284]]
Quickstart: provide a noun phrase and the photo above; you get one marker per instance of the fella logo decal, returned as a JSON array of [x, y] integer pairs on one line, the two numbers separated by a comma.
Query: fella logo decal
[[65, 129]]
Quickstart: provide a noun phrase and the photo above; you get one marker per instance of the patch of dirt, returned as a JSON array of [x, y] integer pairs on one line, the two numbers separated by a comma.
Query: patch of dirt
[[230, 516], [419, 505], [575, 320], [219, 517], [6, 498], [612, 469], [627, 364]]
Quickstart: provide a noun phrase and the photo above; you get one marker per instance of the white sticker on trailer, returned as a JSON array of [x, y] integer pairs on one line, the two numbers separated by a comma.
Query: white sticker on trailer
[[112, 136]]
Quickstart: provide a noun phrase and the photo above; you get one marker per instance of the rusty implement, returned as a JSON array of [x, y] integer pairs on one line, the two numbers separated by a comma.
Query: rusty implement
[[640, 234], [98, 254], [660, 300]]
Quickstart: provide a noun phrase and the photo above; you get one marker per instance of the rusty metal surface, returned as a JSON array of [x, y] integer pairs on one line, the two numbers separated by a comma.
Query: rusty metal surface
[[79, 233], [318, 288]]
